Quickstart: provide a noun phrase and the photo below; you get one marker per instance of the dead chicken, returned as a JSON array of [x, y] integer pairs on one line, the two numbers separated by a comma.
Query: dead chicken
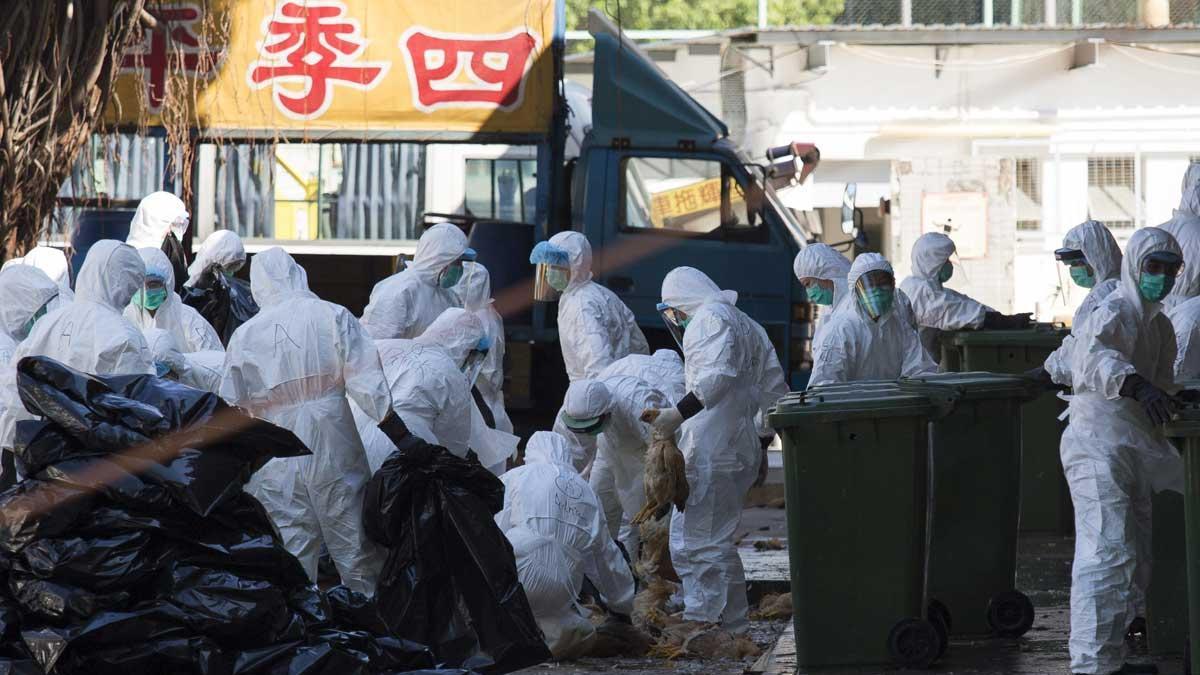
[[665, 482]]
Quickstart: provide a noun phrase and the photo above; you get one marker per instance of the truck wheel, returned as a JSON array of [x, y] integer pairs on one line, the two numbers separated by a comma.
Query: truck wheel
[[939, 615], [1010, 614], [915, 643]]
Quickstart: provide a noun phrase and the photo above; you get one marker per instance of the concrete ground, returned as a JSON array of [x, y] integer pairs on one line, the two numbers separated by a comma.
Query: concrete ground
[[1044, 571]]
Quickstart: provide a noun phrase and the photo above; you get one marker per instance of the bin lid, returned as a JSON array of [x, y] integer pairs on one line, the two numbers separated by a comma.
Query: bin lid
[[1040, 335], [980, 385], [1186, 420], [859, 400]]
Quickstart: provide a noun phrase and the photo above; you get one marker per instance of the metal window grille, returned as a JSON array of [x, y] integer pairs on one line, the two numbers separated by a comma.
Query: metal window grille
[[1007, 12], [1029, 194], [1112, 191]]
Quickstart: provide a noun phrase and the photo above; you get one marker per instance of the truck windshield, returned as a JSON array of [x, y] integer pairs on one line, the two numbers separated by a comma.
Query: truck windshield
[[798, 231]]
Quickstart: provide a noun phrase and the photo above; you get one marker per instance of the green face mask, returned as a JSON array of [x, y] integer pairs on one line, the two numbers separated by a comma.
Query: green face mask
[[946, 272], [819, 296], [877, 301], [558, 279], [450, 276], [1155, 287], [150, 299], [1082, 276], [28, 327]]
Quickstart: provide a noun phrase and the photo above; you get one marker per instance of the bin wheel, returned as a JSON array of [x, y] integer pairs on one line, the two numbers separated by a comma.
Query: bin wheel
[[915, 643], [1010, 614], [939, 615], [938, 610]]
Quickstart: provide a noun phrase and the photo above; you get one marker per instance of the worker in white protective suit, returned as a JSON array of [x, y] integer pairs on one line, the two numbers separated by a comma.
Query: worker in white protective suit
[[663, 369], [406, 303], [594, 327], [89, 334], [293, 365], [719, 440], [199, 370], [429, 387], [822, 271], [223, 250], [1113, 451], [1188, 213], [475, 291], [1184, 307], [610, 410], [1091, 254], [547, 496], [157, 305], [161, 221], [543, 568], [54, 263], [871, 337], [938, 308]]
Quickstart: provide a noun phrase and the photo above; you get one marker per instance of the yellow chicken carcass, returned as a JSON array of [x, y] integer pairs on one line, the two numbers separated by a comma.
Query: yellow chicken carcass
[[665, 482]]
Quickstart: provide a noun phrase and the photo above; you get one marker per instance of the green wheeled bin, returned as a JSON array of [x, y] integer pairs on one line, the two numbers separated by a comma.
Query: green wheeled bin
[[1184, 431], [1045, 499], [975, 462], [856, 477]]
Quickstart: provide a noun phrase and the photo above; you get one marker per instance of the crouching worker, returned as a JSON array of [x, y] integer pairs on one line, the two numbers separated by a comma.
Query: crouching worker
[[560, 537]]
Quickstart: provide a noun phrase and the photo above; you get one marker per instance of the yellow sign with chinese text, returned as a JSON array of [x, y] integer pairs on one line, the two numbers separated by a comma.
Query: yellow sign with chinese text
[[688, 200], [347, 66]]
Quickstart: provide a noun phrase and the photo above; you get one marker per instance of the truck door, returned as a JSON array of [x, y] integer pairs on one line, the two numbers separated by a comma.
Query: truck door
[[686, 208]]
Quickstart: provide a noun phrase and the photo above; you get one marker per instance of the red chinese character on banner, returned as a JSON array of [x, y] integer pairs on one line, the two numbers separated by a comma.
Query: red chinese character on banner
[[153, 56], [467, 71], [314, 45]]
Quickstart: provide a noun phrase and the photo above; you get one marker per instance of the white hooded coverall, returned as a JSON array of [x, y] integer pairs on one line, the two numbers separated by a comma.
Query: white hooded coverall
[[429, 390], [820, 261], [293, 365], [90, 334], [1114, 458], [406, 303], [191, 331], [543, 569], [157, 215], [617, 473], [199, 370], [223, 248], [936, 307], [53, 262], [1104, 257], [719, 444], [663, 368], [24, 290], [852, 347], [1182, 307], [475, 291], [548, 497], [1188, 213]]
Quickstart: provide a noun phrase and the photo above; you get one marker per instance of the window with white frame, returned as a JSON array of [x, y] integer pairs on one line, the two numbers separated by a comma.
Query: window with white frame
[[1112, 191], [1029, 194]]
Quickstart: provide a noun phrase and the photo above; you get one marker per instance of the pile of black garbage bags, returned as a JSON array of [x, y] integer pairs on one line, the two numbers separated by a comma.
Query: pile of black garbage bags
[[225, 302], [131, 547]]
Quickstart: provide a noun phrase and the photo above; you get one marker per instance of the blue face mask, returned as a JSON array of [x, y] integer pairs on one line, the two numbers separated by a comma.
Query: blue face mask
[[819, 296], [946, 272], [877, 301], [558, 278], [1155, 287], [150, 299], [450, 276], [1082, 276]]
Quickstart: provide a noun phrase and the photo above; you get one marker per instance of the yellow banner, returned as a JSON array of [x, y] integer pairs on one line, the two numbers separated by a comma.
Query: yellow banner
[[693, 199], [423, 66]]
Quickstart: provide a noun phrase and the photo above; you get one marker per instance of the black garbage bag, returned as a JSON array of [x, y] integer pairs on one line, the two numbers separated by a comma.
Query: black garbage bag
[[450, 580], [36, 509], [225, 303], [100, 564], [355, 611]]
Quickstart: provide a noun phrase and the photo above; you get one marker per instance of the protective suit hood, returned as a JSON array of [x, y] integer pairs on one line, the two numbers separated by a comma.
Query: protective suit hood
[[548, 447], [1098, 246], [820, 261], [439, 246], [1188, 284], [579, 251], [929, 254], [274, 275], [223, 247], [111, 274], [456, 331], [475, 289], [1144, 242], [587, 399], [863, 264], [1189, 200], [157, 215], [688, 289], [53, 262], [158, 265], [23, 291]]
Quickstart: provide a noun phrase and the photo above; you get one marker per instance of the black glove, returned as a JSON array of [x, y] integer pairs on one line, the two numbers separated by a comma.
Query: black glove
[[998, 321], [394, 428], [1155, 401], [1041, 378]]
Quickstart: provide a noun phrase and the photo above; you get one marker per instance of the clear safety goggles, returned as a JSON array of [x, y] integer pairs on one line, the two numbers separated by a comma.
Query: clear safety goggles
[[473, 363], [676, 320]]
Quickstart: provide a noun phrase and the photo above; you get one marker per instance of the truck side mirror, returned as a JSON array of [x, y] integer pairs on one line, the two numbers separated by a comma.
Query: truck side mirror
[[849, 225]]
